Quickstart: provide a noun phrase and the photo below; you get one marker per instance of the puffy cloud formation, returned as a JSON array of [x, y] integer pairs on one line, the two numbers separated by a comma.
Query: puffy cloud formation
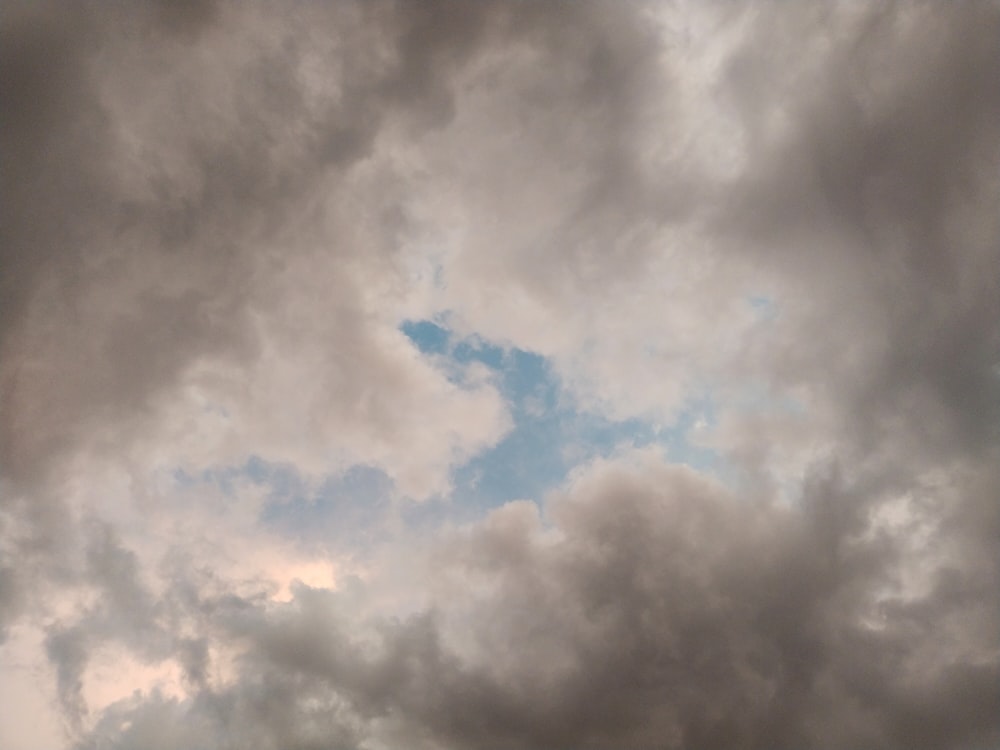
[[217, 219]]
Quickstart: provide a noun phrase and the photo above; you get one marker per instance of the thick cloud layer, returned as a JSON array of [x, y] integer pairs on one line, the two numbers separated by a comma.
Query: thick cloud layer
[[651, 608], [216, 218]]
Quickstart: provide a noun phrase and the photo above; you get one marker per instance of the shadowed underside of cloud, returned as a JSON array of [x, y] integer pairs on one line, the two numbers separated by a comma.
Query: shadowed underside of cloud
[[651, 608], [216, 218]]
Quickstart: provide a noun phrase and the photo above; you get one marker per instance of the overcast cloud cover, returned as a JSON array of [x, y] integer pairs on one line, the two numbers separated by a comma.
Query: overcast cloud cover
[[500, 375]]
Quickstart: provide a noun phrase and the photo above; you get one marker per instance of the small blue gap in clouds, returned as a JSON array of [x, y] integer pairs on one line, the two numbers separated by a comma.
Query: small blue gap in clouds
[[551, 435], [428, 337], [765, 308], [281, 479], [345, 510]]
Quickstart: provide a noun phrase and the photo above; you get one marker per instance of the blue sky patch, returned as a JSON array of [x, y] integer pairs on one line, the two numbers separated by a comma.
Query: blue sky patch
[[551, 435], [345, 511], [765, 308]]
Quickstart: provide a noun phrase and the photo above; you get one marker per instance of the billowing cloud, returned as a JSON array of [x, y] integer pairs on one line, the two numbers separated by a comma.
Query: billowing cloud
[[649, 606], [239, 503]]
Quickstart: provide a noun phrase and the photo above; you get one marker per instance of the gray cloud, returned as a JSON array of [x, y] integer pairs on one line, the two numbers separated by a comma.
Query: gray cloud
[[158, 159], [151, 194], [196, 184], [874, 196], [655, 610], [124, 612]]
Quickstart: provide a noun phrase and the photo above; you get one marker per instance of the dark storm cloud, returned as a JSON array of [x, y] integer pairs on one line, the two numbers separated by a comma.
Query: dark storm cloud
[[86, 220], [875, 198], [657, 610], [59, 203]]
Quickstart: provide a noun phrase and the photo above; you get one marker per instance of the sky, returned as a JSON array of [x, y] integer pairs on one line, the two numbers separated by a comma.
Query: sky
[[522, 375]]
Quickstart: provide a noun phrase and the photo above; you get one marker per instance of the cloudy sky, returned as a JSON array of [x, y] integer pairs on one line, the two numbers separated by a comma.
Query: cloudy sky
[[527, 375]]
